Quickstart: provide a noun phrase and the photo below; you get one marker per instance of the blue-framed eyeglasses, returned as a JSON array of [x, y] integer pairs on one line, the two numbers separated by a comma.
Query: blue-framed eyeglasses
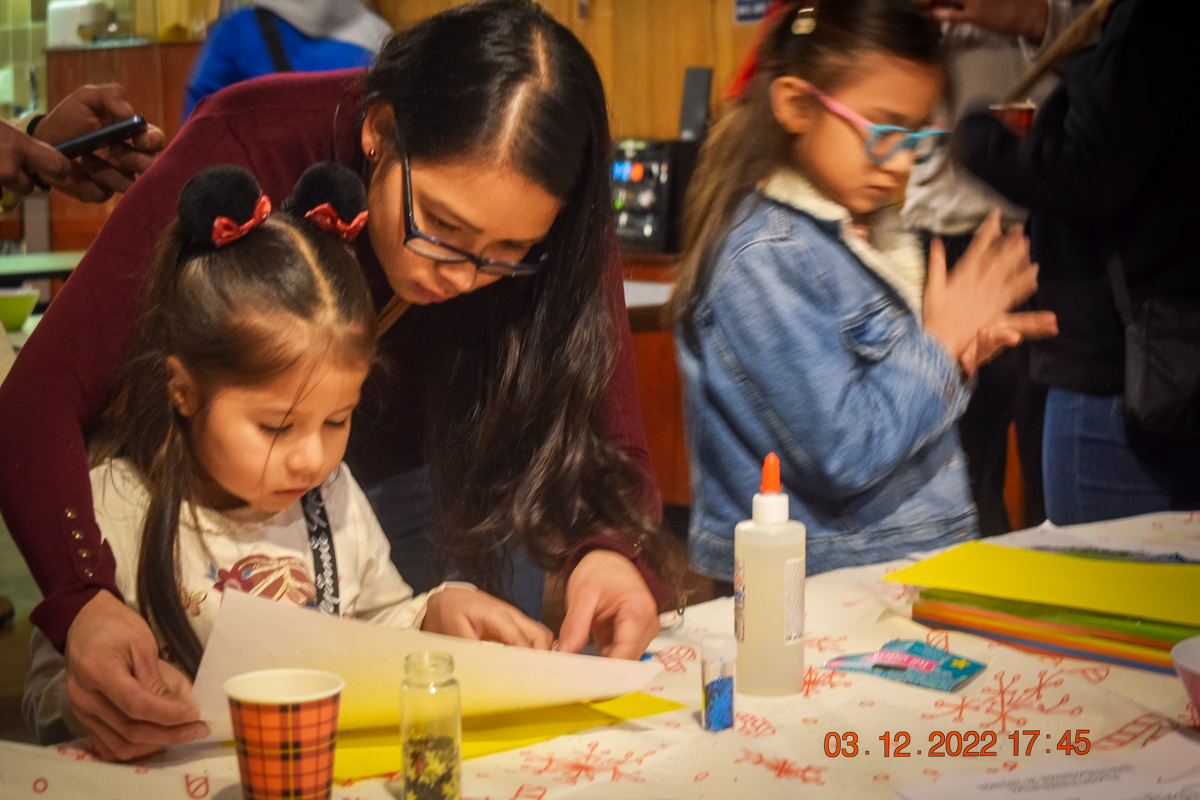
[[882, 142]]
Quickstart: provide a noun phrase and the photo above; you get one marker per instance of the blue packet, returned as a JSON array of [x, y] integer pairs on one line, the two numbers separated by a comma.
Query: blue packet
[[910, 661]]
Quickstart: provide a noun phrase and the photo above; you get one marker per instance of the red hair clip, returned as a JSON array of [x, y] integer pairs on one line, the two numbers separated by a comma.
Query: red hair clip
[[325, 217], [749, 66], [226, 230]]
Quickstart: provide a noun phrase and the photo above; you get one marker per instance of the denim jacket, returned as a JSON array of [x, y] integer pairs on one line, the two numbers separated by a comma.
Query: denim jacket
[[808, 343]]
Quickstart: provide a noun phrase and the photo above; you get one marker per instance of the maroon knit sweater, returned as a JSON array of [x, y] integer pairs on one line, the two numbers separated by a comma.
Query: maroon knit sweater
[[275, 127]]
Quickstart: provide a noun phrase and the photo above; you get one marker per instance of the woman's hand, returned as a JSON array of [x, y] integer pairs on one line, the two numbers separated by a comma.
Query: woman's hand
[[472, 614], [130, 702], [607, 598], [993, 276], [94, 178]]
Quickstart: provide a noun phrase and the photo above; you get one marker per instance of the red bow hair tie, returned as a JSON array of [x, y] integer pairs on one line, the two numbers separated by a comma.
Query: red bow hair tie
[[325, 217], [226, 230]]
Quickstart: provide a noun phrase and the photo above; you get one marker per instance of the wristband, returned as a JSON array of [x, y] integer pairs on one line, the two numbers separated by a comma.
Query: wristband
[[33, 123]]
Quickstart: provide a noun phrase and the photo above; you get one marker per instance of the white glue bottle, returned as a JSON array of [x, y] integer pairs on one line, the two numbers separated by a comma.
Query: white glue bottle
[[768, 592]]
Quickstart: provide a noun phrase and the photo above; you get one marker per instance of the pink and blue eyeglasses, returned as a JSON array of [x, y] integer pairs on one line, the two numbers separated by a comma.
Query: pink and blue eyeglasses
[[882, 142]]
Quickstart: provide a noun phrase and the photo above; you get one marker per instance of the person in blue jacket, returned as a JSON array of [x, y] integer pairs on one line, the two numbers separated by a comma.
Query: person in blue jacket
[[805, 322], [285, 36]]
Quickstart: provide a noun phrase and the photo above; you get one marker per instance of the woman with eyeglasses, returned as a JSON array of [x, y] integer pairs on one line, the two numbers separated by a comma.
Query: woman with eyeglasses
[[806, 324], [504, 426]]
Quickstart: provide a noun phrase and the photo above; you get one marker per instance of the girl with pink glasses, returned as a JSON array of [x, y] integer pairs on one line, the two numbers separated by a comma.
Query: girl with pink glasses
[[807, 321]]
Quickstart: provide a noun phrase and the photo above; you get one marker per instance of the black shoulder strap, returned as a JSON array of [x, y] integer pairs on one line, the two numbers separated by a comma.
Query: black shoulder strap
[[320, 539], [1116, 278], [270, 33]]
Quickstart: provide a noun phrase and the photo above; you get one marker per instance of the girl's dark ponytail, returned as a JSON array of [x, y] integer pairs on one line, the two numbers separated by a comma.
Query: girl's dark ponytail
[[159, 593]]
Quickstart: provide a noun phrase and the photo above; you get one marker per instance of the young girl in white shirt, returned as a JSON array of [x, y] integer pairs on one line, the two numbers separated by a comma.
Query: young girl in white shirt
[[219, 466]]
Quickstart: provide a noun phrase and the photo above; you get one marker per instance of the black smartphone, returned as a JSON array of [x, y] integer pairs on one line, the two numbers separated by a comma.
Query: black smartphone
[[117, 132]]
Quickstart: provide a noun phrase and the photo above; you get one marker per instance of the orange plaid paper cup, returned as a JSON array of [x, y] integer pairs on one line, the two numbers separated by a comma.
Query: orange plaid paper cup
[[285, 729]]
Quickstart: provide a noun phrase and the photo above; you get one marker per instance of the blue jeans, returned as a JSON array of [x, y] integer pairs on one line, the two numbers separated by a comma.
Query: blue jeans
[[1093, 471], [404, 506]]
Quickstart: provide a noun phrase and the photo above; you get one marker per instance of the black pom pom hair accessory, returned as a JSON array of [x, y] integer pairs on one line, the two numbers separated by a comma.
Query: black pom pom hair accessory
[[223, 203], [332, 197]]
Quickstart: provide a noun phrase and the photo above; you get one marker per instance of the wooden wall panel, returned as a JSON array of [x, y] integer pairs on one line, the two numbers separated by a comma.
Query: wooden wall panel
[[653, 43], [641, 49]]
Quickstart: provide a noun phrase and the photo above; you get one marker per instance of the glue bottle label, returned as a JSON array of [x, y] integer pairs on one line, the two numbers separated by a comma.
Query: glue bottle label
[[739, 599], [793, 601]]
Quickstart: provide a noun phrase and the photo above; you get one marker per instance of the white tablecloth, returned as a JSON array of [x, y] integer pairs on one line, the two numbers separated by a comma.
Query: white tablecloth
[[776, 748]]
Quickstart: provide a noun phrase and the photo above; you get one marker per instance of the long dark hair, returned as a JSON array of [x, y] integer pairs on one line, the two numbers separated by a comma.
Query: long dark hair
[[517, 449], [748, 144], [218, 311]]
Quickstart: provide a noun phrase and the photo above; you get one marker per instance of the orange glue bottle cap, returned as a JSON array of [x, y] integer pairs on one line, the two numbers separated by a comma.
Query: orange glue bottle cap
[[770, 475], [770, 504]]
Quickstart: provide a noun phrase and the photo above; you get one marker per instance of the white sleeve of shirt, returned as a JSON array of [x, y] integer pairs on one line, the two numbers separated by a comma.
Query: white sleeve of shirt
[[45, 705], [385, 598]]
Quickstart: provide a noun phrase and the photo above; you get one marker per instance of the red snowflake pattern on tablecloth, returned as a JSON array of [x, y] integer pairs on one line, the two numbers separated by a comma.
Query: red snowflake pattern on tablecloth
[[1141, 731], [938, 639], [77, 752], [752, 726], [825, 644], [585, 765], [526, 791], [853, 602], [196, 786], [817, 679], [783, 767], [673, 658], [890, 589], [1096, 674], [1008, 703], [1190, 716]]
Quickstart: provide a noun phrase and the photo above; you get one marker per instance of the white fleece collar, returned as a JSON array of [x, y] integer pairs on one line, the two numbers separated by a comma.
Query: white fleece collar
[[892, 253]]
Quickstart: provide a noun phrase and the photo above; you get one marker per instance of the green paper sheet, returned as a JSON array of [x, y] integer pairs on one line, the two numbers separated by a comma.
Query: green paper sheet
[[1164, 592]]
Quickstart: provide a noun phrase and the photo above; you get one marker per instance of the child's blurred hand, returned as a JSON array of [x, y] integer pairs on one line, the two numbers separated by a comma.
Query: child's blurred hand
[[472, 614], [992, 277], [1008, 330]]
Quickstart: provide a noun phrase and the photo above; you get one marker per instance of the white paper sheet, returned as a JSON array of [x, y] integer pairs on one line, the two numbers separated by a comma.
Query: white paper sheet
[[1168, 535], [251, 633], [1168, 770]]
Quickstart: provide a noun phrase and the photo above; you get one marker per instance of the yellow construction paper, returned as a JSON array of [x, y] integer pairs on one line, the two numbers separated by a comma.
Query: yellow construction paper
[[366, 753], [1165, 592]]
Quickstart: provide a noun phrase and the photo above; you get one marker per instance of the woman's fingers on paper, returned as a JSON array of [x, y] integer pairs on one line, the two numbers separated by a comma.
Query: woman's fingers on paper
[[577, 625], [120, 737], [629, 632], [153, 697]]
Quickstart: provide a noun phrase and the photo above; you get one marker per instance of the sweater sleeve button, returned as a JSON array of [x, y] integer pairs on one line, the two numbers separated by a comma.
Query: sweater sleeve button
[[85, 553], [77, 534], [87, 572], [72, 513]]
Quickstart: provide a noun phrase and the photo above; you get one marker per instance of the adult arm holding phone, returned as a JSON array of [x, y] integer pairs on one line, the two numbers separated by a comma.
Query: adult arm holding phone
[[26, 157]]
